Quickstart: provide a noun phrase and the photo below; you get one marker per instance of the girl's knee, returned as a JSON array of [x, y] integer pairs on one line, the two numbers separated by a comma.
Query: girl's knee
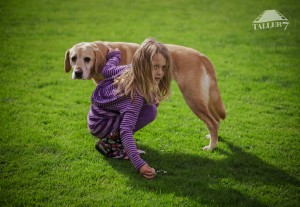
[[147, 115], [151, 112]]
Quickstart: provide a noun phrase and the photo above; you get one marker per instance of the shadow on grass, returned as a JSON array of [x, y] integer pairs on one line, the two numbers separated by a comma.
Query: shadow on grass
[[231, 181]]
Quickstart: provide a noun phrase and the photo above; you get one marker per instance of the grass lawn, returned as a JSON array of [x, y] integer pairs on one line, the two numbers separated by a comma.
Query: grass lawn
[[47, 155]]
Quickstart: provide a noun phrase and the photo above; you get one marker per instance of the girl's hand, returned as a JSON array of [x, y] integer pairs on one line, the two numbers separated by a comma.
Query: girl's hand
[[111, 50], [147, 171]]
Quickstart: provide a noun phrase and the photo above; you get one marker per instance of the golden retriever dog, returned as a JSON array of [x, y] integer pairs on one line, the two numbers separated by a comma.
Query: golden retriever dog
[[193, 72]]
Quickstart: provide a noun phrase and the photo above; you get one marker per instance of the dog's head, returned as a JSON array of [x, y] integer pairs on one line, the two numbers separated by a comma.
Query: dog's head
[[87, 59]]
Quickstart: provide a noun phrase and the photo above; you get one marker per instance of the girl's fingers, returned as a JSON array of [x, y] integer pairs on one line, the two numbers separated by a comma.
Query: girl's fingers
[[150, 173], [148, 176]]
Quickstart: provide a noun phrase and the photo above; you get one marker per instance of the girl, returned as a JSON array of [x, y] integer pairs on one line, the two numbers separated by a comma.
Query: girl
[[126, 101]]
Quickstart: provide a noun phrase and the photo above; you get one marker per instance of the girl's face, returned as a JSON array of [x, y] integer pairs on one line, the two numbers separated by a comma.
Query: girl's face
[[159, 66]]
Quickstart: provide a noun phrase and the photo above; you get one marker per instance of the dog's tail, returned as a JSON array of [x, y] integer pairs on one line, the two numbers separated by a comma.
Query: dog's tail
[[214, 92]]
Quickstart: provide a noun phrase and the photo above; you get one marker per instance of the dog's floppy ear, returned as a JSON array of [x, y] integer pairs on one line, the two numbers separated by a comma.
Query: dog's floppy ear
[[67, 61], [100, 51]]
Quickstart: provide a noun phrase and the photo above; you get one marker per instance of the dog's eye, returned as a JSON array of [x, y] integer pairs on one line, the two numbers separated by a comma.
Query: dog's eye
[[87, 59], [74, 59]]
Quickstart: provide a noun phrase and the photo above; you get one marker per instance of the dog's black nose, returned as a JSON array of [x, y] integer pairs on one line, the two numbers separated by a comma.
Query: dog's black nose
[[78, 74]]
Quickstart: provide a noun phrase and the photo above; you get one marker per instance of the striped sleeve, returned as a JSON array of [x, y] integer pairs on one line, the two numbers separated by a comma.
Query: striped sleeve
[[127, 126], [113, 60]]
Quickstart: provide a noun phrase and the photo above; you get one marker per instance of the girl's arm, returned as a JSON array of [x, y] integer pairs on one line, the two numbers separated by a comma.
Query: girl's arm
[[113, 60], [127, 127]]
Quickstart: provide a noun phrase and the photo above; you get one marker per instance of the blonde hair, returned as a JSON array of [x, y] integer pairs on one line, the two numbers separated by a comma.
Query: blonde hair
[[139, 77]]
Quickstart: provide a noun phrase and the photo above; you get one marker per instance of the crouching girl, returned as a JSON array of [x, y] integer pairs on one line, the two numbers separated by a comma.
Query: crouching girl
[[126, 101]]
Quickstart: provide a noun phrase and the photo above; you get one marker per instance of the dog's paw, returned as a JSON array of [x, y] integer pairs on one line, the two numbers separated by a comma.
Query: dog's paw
[[208, 147], [208, 136]]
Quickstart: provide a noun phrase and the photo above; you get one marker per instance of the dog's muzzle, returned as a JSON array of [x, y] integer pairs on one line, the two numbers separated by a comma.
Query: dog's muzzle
[[78, 74]]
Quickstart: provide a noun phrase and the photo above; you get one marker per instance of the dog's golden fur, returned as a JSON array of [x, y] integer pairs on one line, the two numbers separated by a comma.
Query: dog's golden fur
[[193, 72]]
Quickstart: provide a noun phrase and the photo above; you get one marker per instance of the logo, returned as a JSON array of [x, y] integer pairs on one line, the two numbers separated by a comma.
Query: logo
[[269, 19]]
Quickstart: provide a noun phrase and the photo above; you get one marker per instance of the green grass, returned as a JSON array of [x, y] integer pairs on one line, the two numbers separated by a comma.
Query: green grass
[[47, 155]]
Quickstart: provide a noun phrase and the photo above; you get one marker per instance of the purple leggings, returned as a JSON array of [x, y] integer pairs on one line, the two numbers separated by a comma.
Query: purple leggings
[[102, 123], [110, 144]]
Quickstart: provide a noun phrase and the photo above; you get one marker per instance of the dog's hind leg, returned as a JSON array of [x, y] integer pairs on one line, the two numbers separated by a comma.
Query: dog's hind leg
[[209, 120], [195, 88], [212, 125], [213, 129]]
